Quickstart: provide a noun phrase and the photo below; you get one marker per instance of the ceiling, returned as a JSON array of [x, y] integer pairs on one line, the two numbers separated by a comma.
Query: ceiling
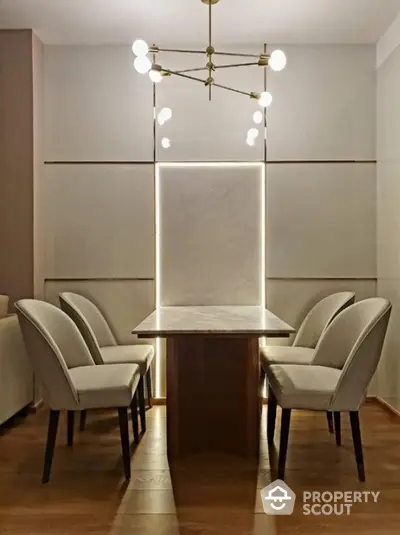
[[178, 22]]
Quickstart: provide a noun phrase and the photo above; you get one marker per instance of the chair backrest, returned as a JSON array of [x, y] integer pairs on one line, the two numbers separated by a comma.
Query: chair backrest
[[353, 343], [320, 316], [54, 345], [90, 321]]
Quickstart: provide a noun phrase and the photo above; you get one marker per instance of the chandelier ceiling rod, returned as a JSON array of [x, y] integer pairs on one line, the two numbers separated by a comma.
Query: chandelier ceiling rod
[[210, 50], [277, 61]]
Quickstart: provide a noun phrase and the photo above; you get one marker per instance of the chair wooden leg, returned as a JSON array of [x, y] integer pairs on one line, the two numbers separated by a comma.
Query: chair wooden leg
[[285, 428], [70, 430], [142, 407], [149, 389], [271, 418], [134, 416], [338, 428], [355, 429], [51, 441], [329, 417], [262, 378], [124, 431], [82, 420]]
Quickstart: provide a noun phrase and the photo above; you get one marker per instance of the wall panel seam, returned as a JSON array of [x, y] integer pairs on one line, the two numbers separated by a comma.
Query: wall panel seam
[[99, 162], [321, 278], [98, 279], [151, 162]]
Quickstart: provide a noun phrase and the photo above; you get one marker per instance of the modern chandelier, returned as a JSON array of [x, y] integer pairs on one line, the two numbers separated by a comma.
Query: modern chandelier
[[143, 65]]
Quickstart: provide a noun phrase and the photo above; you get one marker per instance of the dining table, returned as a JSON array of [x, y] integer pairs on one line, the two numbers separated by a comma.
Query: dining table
[[214, 392]]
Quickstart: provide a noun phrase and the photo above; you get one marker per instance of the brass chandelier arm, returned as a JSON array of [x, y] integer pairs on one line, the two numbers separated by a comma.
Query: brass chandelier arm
[[192, 70], [177, 73], [180, 51], [251, 95], [236, 65], [238, 55], [188, 77], [183, 51]]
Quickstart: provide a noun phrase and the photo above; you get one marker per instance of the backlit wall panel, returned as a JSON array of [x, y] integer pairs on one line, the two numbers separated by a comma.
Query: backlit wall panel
[[210, 242]]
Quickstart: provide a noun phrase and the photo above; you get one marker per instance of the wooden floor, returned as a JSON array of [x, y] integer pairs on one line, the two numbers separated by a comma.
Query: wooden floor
[[87, 493]]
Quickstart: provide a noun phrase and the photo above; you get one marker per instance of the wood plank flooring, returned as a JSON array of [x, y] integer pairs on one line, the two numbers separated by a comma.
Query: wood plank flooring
[[218, 496]]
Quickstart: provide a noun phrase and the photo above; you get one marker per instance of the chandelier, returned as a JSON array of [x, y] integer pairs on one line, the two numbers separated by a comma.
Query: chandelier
[[143, 65]]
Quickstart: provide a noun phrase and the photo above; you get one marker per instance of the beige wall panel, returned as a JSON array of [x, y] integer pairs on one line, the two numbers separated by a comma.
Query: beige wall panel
[[99, 221], [97, 107], [321, 220], [323, 104]]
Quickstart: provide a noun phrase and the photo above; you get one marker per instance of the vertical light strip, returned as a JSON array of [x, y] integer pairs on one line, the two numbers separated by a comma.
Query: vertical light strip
[[263, 340], [158, 279], [157, 363], [262, 245], [158, 167]]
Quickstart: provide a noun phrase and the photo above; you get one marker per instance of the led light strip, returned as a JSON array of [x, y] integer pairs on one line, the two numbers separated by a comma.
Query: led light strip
[[159, 166], [262, 245], [158, 279]]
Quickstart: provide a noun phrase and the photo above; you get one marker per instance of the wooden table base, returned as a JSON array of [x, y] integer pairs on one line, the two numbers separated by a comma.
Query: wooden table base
[[213, 396]]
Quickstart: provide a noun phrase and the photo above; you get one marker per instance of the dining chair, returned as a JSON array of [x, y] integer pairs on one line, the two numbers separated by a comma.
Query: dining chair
[[303, 348], [70, 379], [104, 348], [338, 377]]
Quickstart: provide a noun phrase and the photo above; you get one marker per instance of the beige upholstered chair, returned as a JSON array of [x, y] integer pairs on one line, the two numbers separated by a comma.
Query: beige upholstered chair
[[103, 345], [338, 377], [16, 376], [307, 337], [309, 333], [70, 379], [4, 300]]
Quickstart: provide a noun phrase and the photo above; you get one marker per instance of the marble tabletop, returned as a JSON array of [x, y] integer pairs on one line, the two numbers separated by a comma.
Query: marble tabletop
[[213, 320]]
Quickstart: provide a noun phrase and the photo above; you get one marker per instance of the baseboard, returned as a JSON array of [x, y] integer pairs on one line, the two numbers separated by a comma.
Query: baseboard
[[159, 401], [35, 406], [386, 406]]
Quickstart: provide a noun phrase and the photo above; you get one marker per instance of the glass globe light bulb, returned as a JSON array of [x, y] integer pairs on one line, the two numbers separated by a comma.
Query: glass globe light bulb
[[140, 48], [166, 113], [277, 61], [155, 76], [142, 64], [265, 99], [253, 133], [160, 119], [257, 117], [250, 141], [165, 143]]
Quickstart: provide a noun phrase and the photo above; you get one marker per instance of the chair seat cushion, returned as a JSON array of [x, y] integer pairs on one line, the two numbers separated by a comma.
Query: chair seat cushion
[[303, 387], [285, 355], [140, 354], [105, 386]]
